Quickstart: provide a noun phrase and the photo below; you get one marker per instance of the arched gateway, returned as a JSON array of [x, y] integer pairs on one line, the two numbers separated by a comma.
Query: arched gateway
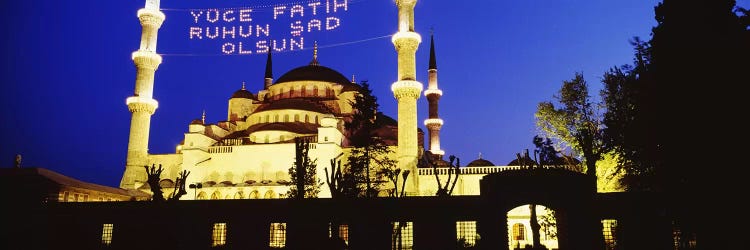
[[570, 194]]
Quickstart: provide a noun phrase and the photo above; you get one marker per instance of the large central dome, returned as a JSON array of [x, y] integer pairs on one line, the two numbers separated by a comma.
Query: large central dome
[[314, 73]]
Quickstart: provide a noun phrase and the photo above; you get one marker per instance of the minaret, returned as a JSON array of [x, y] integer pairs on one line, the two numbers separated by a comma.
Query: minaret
[[407, 90], [141, 104], [433, 94], [269, 72]]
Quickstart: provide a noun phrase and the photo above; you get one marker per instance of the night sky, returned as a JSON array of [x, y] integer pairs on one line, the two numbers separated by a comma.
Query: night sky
[[67, 69]]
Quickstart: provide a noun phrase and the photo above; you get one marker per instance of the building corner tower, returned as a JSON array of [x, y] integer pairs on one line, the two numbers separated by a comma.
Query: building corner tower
[[406, 91], [141, 104], [433, 94]]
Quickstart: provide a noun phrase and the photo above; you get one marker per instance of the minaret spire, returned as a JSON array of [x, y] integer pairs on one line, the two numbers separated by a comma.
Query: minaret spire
[[433, 94], [268, 80], [141, 104], [407, 90], [315, 54], [203, 117], [433, 62], [243, 85]]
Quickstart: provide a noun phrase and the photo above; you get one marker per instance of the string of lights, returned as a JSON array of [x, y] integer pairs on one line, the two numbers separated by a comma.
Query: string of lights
[[267, 7], [285, 51]]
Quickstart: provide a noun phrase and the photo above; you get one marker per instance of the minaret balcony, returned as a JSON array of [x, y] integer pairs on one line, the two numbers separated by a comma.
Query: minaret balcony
[[437, 152], [433, 122], [409, 36], [137, 103], [146, 59], [406, 88], [433, 92], [151, 16]]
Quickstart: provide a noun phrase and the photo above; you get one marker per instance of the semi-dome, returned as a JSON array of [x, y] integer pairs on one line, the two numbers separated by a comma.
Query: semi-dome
[[314, 73], [480, 163]]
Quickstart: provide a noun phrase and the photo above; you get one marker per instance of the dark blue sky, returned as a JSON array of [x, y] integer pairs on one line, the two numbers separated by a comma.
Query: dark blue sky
[[67, 70]]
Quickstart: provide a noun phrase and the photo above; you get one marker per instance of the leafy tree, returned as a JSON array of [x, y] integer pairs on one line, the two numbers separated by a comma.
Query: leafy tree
[[154, 176], [303, 174], [688, 73], [577, 122], [369, 155]]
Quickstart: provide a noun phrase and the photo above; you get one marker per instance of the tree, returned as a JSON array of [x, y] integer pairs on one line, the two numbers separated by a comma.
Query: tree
[[154, 177], [335, 180], [303, 174], [699, 53], [429, 160], [690, 71], [577, 122], [369, 153]]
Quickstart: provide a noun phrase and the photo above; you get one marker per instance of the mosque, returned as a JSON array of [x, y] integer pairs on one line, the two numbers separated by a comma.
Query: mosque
[[247, 156]]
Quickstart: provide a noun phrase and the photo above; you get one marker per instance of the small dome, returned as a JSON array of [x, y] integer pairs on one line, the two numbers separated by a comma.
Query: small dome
[[480, 163], [197, 121], [314, 73], [243, 93], [526, 162]]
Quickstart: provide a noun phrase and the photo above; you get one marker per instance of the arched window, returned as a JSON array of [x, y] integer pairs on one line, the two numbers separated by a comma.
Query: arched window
[[269, 195], [276, 118], [316, 119], [216, 195], [519, 231], [315, 90], [254, 195], [268, 119], [286, 118], [307, 118], [201, 196], [238, 195], [296, 117]]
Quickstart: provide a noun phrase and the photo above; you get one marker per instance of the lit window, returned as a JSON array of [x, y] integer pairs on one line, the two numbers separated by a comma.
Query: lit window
[[466, 232], [609, 229], [402, 236], [269, 195], [219, 234], [277, 235], [254, 195], [201, 196], [343, 232], [107, 234], [519, 231], [66, 196], [683, 240]]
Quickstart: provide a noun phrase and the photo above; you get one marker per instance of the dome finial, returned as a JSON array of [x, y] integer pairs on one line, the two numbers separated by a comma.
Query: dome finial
[[315, 54], [354, 80], [243, 85], [203, 117], [480, 155]]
